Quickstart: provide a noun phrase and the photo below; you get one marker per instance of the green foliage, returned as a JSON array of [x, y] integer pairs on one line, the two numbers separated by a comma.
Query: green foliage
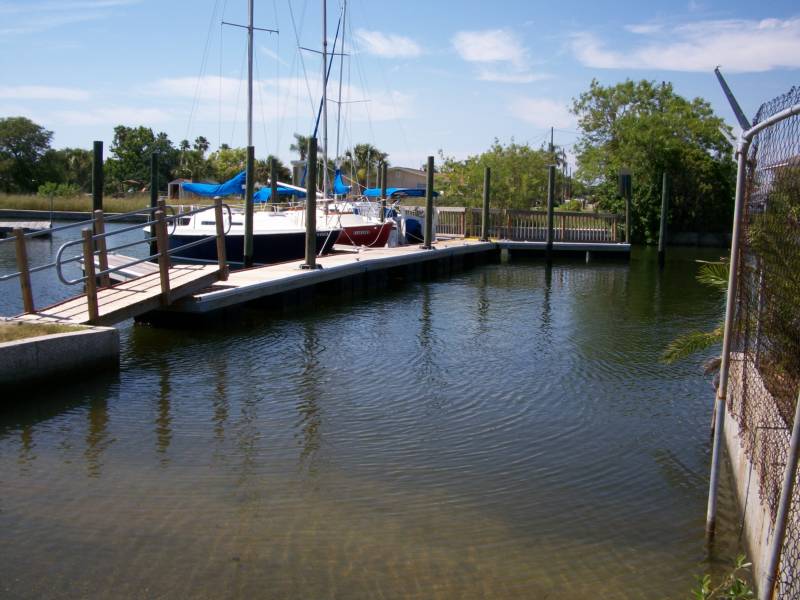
[[226, 163], [362, 163], [572, 206], [650, 129], [519, 177], [23, 144], [69, 165], [732, 587], [59, 190], [129, 166], [715, 275]]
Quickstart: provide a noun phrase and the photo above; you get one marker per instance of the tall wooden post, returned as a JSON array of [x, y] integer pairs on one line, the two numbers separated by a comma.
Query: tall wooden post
[[153, 198], [662, 230], [24, 271], [100, 230], [162, 239], [487, 181], [91, 281], [311, 207], [221, 258], [551, 189], [273, 180], [428, 239], [247, 257], [97, 176], [384, 185]]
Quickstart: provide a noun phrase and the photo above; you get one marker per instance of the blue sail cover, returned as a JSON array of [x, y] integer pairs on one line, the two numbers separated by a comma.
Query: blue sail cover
[[408, 192], [229, 188], [339, 188], [263, 195]]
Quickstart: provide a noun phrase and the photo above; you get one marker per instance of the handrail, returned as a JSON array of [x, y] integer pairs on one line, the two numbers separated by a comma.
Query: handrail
[[59, 262]]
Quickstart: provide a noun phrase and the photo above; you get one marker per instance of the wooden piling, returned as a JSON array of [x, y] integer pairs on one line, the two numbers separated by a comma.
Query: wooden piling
[[100, 230], [91, 281], [247, 257], [383, 180], [311, 207], [162, 241], [428, 239], [487, 182], [662, 230], [551, 189], [273, 179], [97, 176], [221, 258], [24, 271], [153, 198]]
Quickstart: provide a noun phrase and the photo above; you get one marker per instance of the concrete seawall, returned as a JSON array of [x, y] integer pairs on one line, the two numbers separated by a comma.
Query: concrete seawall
[[44, 356]]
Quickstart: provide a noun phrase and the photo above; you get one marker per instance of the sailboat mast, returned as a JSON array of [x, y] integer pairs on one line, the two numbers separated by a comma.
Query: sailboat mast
[[250, 74], [324, 98], [341, 76]]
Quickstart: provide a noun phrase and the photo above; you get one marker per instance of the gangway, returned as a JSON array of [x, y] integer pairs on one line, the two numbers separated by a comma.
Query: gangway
[[104, 303]]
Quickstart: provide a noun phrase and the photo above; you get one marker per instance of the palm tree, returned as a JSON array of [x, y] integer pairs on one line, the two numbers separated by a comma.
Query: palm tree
[[362, 159], [301, 145]]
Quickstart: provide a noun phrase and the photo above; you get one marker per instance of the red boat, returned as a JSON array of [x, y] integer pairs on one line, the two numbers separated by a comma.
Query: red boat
[[372, 235]]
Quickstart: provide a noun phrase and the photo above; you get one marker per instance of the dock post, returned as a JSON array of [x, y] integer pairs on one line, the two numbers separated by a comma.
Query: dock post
[[221, 258], [487, 182], [428, 206], [163, 254], [24, 272], [153, 198], [91, 281], [100, 230], [311, 207], [273, 180], [625, 190], [97, 176], [247, 257], [551, 189], [662, 230], [383, 191]]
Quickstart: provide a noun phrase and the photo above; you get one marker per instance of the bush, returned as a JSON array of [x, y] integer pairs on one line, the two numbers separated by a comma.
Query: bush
[[59, 190], [571, 206]]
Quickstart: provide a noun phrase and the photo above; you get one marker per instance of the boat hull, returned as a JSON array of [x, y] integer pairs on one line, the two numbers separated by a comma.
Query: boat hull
[[267, 248], [373, 236]]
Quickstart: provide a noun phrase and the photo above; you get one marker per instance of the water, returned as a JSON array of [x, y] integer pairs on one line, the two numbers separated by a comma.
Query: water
[[507, 432]]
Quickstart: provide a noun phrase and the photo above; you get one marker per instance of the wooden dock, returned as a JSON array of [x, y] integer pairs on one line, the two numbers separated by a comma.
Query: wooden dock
[[8, 227], [131, 298], [260, 282]]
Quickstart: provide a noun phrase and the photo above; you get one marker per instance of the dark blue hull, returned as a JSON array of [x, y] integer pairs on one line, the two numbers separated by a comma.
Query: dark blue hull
[[267, 248]]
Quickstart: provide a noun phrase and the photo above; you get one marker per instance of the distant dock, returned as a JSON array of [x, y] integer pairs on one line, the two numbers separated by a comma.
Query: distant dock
[[8, 227]]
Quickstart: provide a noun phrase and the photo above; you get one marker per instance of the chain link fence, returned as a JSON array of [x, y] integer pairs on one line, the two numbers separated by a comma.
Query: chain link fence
[[765, 365]]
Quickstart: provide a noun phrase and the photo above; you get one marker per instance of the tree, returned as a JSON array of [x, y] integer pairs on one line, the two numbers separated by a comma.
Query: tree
[[69, 166], [225, 163], [300, 145], [201, 144], [262, 170], [361, 161], [519, 177], [23, 143], [650, 129], [131, 149]]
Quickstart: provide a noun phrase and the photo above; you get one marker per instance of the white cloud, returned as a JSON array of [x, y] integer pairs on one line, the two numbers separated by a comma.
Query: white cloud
[[492, 45], [41, 92], [737, 45], [644, 28], [388, 45], [500, 53], [20, 18], [542, 112], [111, 116]]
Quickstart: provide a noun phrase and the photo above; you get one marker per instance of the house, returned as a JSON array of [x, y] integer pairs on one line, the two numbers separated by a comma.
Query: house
[[405, 177], [175, 190]]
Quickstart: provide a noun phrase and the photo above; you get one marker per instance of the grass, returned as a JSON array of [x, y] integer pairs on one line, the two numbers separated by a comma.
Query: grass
[[16, 330], [77, 204]]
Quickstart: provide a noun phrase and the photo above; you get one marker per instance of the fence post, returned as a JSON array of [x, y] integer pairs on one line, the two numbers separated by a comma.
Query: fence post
[[784, 505], [221, 258], [24, 271], [100, 229], [311, 207], [162, 242], [91, 281], [551, 188], [428, 205], [662, 230]]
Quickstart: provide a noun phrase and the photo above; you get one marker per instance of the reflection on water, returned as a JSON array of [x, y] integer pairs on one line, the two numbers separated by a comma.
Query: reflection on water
[[507, 432]]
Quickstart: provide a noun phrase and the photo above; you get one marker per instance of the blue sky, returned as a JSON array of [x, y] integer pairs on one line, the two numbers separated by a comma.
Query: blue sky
[[434, 74]]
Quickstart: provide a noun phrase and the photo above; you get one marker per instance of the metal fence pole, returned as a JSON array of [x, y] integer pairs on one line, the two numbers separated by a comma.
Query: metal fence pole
[[719, 421], [785, 503]]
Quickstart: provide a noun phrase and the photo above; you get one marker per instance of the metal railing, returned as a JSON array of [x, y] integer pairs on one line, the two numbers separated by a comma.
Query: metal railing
[[93, 242]]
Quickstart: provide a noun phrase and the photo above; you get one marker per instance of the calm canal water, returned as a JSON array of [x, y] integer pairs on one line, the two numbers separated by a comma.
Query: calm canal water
[[507, 432]]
